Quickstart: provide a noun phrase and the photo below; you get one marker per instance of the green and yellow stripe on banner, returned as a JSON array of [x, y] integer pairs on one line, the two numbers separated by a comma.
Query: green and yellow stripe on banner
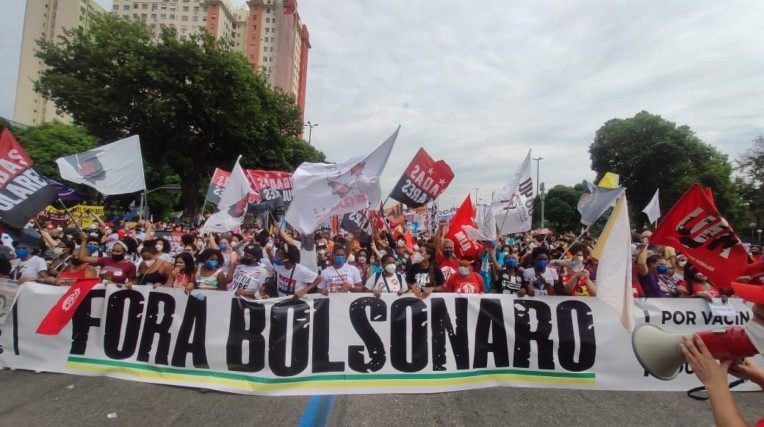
[[253, 383]]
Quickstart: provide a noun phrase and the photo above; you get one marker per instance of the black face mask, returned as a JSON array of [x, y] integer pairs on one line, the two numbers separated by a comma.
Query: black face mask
[[75, 261], [118, 258], [246, 261], [448, 253]]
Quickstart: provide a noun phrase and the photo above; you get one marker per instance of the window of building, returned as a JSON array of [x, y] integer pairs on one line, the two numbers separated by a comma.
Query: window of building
[[195, 18], [196, 8], [267, 19], [172, 16], [185, 8], [135, 6], [154, 6], [184, 18], [267, 30], [153, 16], [126, 7], [163, 16], [145, 6]]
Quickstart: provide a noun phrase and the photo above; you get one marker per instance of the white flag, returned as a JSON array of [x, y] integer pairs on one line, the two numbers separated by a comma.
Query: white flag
[[115, 168], [613, 251], [653, 209], [485, 220], [513, 209], [321, 190], [232, 205]]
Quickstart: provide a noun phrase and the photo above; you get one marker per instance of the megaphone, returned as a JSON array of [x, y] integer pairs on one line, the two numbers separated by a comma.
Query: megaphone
[[661, 356]]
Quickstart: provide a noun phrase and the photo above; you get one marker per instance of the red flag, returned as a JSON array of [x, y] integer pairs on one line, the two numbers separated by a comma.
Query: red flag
[[695, 228], [409, 239], [61, 313], [463, 245], [423, 181]]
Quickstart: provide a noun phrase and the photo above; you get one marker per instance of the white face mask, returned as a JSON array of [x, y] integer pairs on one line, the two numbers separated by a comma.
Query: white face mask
[[417, 258], [351, 259], [681, 263], [464, 271], [362, 259], [401, 243], [149, 262], [390, 268]]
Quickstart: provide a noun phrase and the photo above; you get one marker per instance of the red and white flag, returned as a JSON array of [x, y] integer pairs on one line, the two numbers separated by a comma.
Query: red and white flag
[[464, 217], [423, 181], [65, 307], [695, 228]]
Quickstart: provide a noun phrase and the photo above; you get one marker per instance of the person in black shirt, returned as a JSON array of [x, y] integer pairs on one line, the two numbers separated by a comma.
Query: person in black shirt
[[423, 274]]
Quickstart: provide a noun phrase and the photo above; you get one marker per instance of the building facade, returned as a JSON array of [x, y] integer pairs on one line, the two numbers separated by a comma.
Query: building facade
[[44, 19], [269, 33]]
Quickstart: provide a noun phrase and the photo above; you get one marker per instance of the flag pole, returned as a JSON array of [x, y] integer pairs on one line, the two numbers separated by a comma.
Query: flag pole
[[69, 215]]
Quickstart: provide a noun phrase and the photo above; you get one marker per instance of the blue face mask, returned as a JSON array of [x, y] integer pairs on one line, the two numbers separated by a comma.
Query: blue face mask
[[211, 264], [512, 263], [91, 248], [277, 260], [223, 246], [662, 269], [22, 252], [541, 264], [339, 260]]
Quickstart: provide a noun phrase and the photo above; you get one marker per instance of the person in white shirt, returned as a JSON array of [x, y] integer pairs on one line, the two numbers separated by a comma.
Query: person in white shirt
[[247, 276], [388, 280], [340, 276], [27, 266], [292, 278]]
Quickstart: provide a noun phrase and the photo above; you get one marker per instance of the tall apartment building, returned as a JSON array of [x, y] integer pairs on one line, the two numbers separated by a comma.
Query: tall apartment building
[[268, 32], [44, 19]]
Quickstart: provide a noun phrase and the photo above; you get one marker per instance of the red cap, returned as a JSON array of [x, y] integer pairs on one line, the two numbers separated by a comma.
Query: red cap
[[121, 233], [753, 293]]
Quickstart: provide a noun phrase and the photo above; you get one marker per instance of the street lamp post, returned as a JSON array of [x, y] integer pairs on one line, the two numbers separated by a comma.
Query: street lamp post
[[538, 166], [171, 187], [542, 204], [759, 231], [310, 127]]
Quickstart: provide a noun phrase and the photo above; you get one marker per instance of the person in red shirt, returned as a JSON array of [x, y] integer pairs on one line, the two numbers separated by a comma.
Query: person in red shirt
[[114, 268], [465, 281], [444, 252]]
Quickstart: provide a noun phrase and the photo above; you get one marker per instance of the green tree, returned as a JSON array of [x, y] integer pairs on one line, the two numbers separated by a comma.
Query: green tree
[[649, 152], [560, 213], [750, 182], [48, 141], [195, 104]]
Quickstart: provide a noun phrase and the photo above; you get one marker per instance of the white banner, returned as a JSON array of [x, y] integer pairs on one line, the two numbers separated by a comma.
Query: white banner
[[348, 343], [513, 209]]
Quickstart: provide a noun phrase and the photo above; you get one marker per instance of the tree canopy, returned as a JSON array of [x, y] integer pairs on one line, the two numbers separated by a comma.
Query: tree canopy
[[560, 212], [48, 141], [750, 182], [649, 152], [195, 103]]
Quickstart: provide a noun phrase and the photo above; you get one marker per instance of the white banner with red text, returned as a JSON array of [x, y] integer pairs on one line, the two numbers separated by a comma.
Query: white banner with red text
[[347, 343]]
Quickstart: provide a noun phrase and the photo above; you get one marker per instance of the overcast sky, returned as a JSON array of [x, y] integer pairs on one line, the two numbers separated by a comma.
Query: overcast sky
[[479, 83]]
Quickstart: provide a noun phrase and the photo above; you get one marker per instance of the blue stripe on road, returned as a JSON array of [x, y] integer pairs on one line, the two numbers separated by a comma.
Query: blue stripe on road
[[317, 412]]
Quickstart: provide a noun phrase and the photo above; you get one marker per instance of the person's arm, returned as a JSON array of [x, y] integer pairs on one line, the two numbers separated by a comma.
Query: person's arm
[[229, 276], [571, 283], [642, 261], [438, 239], [748, 370], [170, 275], [713, 375], [284, 235], [591, 287], [47, 239], [211, 243], [528, 287], [302, 293], [222, 283], [82, 254], [90, 272], [149, 230]]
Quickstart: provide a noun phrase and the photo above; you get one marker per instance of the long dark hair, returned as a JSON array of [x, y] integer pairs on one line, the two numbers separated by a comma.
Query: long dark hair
[[188, 260]]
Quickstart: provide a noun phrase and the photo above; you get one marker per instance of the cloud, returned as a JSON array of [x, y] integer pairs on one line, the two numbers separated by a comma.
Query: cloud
[[479, 83]]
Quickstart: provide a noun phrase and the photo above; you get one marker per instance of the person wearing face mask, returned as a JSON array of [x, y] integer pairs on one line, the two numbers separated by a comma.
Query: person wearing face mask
[[163, 250], [575, 278], [465, 281], [654, 275], [73, 270], [698, 285], [114, 268], [540, 280], [322, 261], [362, 264], [292, 278], [679, 268], [444, 252], [209, 273], [27, 266], [424, 276], [387, 280], [509, 278], [247, 276], [152, 270], [340, 276], [59, 257]]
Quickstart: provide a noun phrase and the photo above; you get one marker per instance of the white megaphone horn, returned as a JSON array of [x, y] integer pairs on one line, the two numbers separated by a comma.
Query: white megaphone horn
[[661, 355]]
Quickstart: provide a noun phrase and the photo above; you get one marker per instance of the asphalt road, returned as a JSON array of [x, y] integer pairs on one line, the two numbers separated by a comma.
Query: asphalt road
[[27, 398]]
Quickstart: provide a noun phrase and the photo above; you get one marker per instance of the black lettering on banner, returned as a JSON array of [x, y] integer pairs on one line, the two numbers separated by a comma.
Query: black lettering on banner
[[588, 344], [490, 320], [195, 318], [458, 337], [372, 343], [277, 338], [114, 314], [239, 331], [15, 311], [399, 331], [321, 362], [152, 327], [524, 335], [82, 321]]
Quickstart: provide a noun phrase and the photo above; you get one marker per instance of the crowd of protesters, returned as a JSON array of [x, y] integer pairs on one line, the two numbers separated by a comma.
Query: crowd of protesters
[[267, 261]]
